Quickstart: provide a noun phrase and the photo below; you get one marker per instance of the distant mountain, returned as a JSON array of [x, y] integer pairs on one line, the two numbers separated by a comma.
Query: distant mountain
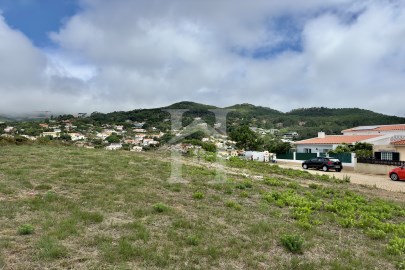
[[252, 109], [189, 105], [306, 121]]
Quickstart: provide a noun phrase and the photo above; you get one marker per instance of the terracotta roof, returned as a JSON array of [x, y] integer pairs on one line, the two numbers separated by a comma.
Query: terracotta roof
[[402, 142], [337, 139], [377, 128]]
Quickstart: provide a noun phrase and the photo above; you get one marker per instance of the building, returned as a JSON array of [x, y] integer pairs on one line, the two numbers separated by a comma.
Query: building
[[392, 130], [8, 129], [257, 156], [76, 136], [52, 134], [324, 143], [114, 146]]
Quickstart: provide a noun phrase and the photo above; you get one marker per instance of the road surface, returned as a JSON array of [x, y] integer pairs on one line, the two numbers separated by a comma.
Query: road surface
[[379, 181]]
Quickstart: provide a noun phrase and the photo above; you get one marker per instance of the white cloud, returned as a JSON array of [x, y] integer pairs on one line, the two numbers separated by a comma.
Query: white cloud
[[121, 55]]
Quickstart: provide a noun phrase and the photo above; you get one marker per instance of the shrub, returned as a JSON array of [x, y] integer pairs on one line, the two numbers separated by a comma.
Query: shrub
[[245, 184], [232, 204], [193, 240], [346, 178], [160, 208], [244, 194], [292, 242], [375, 234], [25, 229], [198, 195], [273, 182], [396, 246]]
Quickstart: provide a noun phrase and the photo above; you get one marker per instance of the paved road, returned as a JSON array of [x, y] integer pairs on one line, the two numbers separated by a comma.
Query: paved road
[[379, 181]]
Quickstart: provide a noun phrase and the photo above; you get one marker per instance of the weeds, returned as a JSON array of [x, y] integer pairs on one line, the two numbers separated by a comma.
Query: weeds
[[292, 242], [25, 229]]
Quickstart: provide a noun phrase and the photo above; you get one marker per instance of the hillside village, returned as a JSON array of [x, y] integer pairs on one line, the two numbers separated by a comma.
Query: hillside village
[[387, 140]]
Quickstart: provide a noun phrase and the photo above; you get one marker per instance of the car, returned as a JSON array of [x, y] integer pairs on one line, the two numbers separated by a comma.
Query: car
[[323, 163], [397, 173]]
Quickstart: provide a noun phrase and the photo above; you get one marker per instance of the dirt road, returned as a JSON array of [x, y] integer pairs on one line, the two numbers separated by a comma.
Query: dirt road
[[379, 181]]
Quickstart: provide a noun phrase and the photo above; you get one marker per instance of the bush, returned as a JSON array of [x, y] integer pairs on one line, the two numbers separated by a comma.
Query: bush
[[396, 246], [198, 195], [292, 242], [160, 208], [245, 184], [193, 240], [232, 204], [375, 234], [25, 229]]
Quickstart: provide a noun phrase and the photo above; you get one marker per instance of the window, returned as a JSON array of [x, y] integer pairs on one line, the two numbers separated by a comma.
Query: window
[[307, 150], [386, 155]]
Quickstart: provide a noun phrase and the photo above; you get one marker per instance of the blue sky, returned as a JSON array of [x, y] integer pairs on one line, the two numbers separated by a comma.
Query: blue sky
[[102, 55], [37, 18]]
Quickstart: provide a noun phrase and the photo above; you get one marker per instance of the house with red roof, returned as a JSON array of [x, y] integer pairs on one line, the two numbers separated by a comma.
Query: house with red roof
[[394, 130], [388, 141], [324, 143]]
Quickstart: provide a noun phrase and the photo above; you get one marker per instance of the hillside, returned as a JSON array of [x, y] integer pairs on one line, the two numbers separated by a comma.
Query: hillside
[[93, 209], [306, 121]]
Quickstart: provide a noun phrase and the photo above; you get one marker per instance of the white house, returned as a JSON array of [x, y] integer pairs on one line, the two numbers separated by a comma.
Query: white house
[[76, 136], [324, 143], [8, 129], [114, 146], [136, 149], [257, 156], [52, 134], [392, 130]]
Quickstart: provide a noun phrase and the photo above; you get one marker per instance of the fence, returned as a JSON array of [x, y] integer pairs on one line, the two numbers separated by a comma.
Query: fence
[[343, 157], [305, 156], [380, 162], [285, 156]]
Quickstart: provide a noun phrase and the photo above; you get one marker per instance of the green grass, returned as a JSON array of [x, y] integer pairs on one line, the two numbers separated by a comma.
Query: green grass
[[95, 209], [25, 229]]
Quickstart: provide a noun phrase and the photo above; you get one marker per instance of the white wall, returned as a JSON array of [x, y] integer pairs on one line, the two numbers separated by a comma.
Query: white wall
[[315, 147], [373, 132]]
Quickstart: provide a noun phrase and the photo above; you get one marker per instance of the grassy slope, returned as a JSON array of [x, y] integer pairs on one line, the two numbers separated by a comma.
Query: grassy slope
[[115, 210]]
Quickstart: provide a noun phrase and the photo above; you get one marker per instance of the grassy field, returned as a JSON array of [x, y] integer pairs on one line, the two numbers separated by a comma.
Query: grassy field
[[65, 207]]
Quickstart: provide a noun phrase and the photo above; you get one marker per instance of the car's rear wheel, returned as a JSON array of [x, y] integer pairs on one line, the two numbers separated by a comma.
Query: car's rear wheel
[[338, 170], [305, 166], [325, 168], [394, 177]]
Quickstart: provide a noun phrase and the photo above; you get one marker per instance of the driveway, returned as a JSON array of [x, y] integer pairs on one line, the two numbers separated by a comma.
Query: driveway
[[379, 181]]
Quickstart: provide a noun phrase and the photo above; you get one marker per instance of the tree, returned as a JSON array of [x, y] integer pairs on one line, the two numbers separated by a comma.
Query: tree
[[113, 138], [361, 149], [246, 138], [279, 147], [198, 135], [65, 137]]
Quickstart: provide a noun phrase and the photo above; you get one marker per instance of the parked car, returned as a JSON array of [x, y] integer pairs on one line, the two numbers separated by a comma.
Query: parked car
[[397, 173], [323, 163]]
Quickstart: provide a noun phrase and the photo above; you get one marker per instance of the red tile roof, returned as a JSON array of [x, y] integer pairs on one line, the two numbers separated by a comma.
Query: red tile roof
[[337, 139], [377, 128], [391, 127], [402, 142]]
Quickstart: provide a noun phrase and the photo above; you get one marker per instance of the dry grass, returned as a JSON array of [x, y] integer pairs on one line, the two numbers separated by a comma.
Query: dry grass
[[93, 209]]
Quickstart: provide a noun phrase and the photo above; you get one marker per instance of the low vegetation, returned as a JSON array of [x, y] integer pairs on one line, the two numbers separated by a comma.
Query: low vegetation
[[64, 207]]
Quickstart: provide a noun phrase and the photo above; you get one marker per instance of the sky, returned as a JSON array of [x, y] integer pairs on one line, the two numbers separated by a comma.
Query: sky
[[71, 56]]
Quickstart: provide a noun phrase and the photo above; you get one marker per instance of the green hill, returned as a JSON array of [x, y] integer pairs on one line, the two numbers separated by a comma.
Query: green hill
[[190, 105], [306, 121]]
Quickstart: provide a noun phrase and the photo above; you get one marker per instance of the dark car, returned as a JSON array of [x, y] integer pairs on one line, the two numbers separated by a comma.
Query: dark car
[[397, 173], [323, 163]]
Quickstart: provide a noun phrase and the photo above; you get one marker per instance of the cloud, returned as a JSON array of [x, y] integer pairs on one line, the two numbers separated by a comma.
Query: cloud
[[279, 54]]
